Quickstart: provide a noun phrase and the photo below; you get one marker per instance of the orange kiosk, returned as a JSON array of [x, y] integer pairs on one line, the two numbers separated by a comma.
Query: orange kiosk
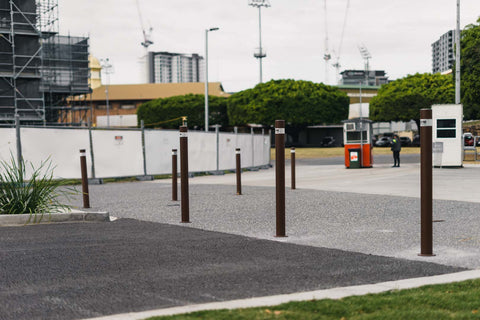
[[357, 138]]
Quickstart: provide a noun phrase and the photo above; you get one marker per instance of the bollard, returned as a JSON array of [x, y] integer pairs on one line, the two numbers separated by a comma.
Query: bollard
[[238, 171], [292, 160], [426, 228], [184, 174], [83, 167], [280, 176], [174, 175]]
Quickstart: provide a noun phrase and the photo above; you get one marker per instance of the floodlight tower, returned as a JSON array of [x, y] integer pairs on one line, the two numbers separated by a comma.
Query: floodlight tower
[[259, 53], [366, 56]]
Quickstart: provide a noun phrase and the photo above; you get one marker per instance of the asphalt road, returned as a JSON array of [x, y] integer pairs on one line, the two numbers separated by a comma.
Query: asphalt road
[[80, 270]]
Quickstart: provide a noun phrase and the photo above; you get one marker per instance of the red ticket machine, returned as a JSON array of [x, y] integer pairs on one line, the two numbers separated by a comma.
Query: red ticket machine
[[357, 138]]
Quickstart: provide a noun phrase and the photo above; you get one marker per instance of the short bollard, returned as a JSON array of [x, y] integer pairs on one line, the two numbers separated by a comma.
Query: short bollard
[[426, 198], [184, 174], [83, 167], [280, 176], [238, 171], [174, 175], [292, 160]]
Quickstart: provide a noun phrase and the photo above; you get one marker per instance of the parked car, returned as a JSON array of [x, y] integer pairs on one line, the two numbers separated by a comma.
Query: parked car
[[416, 140], [328, 141], [383, 142], [468, 140], [405, 141]]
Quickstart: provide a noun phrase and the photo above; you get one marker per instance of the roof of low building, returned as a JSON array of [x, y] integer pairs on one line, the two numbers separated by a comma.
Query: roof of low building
[[150, 91]]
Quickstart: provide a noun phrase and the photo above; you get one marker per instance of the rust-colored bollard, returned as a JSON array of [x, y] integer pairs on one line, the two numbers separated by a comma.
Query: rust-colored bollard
[[280, 176], [426, 171], [83, 168], [238, 171], [292, 160], [174, 176], [184, 174]]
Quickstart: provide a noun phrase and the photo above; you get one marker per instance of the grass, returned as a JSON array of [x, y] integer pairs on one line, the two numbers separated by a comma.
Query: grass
[[459, 300], [311, 153]]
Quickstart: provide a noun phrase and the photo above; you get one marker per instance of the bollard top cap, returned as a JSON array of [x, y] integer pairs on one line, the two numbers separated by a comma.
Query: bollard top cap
[[82, 151], [279, 123], [183, 129]]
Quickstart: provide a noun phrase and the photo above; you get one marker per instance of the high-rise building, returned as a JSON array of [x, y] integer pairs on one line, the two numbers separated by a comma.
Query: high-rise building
[[443, 56], [168, 67]]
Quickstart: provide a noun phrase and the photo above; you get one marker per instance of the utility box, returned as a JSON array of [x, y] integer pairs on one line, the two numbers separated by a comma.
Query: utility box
[[357, 138], [447, 135]]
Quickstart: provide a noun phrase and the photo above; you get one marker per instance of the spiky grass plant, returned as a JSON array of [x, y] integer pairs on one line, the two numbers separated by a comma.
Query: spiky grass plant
[[38, 194]]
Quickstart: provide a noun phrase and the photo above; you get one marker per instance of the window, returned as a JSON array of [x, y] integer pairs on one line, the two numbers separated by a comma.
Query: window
[[446, 128], [127, 106]]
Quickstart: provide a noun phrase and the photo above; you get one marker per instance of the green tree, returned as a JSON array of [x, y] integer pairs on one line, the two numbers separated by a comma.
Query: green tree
[[299, 103], [402, 99], [161, 112], [470, 71]]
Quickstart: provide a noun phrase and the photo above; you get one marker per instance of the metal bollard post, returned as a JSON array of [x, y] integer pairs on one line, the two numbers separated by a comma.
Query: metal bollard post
[[238, 171], [280, 176], [426, 182], [292, 160], [174, 175], [184, 174], [83, 167]]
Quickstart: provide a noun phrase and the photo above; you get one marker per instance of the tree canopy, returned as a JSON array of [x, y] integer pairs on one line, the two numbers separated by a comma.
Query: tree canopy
[[470, 71], [299, 103], [402, 99], [160, 112]]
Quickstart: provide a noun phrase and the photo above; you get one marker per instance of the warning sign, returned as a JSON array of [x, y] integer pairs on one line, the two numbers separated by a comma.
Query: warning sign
[[353, 156]]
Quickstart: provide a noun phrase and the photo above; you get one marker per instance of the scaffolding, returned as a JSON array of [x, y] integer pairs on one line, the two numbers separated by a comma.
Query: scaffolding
[[39, 69]]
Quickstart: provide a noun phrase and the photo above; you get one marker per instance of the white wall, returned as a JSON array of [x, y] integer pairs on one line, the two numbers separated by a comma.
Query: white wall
[[119, 153]]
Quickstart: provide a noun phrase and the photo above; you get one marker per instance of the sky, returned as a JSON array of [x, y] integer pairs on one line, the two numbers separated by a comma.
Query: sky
[[397, 33]]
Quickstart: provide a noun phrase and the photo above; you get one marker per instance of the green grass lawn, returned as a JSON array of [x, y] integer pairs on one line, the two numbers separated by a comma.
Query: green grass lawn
[[459, 300], [310, 153]]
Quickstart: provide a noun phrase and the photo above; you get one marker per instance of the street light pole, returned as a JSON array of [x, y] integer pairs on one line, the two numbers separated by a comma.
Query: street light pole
[[206, 76], [260, 54], [107, 68], [457, 57]]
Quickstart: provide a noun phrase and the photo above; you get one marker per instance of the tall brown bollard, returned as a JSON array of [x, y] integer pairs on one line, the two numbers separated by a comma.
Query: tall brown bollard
[[280, 176], [292, 160], [174, 175], [238, 171], [426, 182], [83, 168], [184, 174]]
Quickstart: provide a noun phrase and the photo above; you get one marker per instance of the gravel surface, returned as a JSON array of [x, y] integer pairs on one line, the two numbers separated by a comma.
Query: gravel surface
[[371, 224], [79, 270]]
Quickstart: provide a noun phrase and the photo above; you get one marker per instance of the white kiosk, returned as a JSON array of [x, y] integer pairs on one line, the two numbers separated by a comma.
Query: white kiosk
[[447, 135]]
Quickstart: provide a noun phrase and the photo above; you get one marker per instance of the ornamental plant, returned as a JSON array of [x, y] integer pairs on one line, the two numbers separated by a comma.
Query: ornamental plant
[[38, 194]]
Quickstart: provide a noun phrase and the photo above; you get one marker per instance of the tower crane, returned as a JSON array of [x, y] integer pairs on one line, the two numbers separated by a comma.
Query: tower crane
[[147, 42]]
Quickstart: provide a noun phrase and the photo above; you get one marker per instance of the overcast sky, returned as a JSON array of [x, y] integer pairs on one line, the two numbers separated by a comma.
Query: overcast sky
[[397, 33]]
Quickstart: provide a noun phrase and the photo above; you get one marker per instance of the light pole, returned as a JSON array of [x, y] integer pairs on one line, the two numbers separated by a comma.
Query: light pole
[[206, 75], [457, 56], [108, 69], [260, 54]]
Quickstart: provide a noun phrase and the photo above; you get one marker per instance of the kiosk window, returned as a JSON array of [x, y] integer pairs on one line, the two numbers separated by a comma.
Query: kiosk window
[[355, 136], [446, 128]]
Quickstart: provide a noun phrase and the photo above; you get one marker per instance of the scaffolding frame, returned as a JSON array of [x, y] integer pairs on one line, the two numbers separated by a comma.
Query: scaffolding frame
[[39, 69]]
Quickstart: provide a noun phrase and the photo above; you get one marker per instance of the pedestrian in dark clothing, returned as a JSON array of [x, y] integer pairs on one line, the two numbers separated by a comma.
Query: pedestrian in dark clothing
[[396, 147]]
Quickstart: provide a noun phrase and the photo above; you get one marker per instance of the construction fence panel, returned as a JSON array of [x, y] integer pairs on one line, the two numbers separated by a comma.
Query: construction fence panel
[[117, 153], [158, 150], [60, 147], [202, 151], [8, 144]]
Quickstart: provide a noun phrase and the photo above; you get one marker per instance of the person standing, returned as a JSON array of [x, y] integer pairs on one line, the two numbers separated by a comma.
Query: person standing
[[396, 148]]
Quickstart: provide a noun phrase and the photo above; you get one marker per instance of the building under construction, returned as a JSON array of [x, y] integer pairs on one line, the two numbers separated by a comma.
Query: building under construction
[[40, 69]]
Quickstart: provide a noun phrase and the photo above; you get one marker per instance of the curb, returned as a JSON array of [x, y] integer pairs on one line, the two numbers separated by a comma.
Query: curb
[[31, 219], [334, 293]]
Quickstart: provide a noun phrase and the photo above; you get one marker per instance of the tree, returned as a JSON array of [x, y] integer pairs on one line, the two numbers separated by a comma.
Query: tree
[[161, 112], [402, 99], [299, 103], [470, 71]]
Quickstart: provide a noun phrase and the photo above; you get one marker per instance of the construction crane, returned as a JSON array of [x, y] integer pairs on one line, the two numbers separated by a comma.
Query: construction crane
[[147, 42], [327, 55]]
